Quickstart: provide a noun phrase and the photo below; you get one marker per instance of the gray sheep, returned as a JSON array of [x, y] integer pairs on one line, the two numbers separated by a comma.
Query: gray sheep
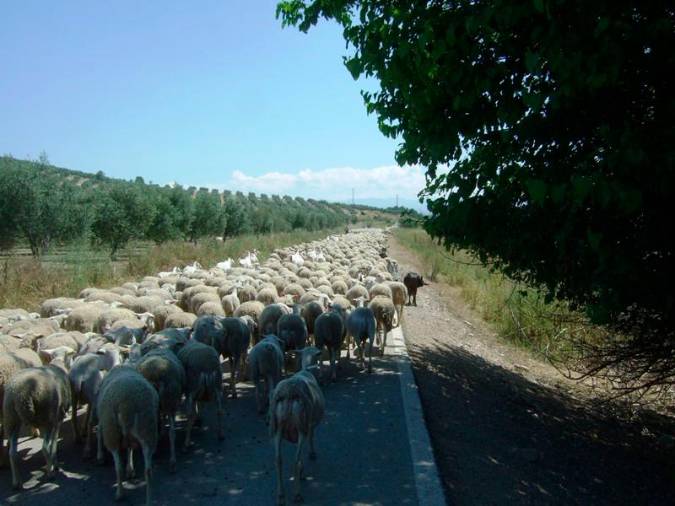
[[127, 407], [361, 327], [296, 409], [204, 379], [384, 311], [292, 330], [329, 331], [85, 376], [270, 316], [265, 361], [165, 372]]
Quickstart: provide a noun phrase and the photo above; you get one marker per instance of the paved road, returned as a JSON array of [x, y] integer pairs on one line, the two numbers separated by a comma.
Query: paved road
[[364, 455]]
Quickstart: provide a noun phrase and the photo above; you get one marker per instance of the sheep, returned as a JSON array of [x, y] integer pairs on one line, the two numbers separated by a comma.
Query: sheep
[[127, 407], [32, 330], [267, 296], [203, 383], [107, 318], [329, 331], [380, 289], [125, 336], [355, 292], [179, 320], [296, 409], [162, 312], [361, 328], [399, 296], [38, 397], [310, 312], [9, 343], [265, 361], [202, 298], [294, 289], [53, 307], [246, 293], [384, 311], [211, 308], [230, 303], [234, 346], [254, 309], [292, 331], [339, 286], [412, 282], [10, 363], [165, 372], [85, 376], [73, 340], [270, 316]]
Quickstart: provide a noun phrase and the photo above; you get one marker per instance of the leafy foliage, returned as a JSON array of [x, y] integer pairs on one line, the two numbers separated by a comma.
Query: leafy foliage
[[555, 121], [122, 213]]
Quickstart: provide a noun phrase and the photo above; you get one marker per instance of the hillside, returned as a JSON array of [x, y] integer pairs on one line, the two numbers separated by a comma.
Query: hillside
[[45, 204]]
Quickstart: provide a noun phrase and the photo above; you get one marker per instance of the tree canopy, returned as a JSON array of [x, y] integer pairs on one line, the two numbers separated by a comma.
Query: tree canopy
[[546, 130]]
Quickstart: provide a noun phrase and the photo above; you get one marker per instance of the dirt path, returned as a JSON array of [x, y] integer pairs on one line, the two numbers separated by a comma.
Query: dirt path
[[507, 429]]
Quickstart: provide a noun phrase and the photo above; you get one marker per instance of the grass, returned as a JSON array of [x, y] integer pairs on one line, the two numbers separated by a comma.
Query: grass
[[517, 313], [25, 282]]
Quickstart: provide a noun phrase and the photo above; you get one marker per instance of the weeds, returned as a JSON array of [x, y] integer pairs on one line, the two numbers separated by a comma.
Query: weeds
[[517, 313]]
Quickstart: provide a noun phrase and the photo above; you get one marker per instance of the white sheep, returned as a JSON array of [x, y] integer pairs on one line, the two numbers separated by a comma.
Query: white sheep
[[37, 397], [127, 407], [296, 408]]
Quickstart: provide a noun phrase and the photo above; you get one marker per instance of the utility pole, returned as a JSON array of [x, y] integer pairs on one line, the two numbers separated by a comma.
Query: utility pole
[[397, 200], [352, 196]]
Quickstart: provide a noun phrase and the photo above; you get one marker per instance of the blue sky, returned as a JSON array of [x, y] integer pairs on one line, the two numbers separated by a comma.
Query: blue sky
[[209, 93]]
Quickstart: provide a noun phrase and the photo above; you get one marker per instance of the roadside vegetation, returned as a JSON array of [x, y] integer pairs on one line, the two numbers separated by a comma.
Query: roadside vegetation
[[519, 314]]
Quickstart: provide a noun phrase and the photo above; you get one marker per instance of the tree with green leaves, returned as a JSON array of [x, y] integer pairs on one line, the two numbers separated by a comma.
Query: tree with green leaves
[[40, 208], [546, 131], [208, 218], [123, 212]]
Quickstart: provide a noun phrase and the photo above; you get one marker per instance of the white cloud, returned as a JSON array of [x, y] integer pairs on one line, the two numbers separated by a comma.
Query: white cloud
[[333, 184]]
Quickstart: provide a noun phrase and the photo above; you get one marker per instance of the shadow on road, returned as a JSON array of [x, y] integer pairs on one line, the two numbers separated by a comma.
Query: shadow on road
[[362, 446], [502, 439]]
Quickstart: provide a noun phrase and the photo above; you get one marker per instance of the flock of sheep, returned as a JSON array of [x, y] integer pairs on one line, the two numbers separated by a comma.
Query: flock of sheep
[[131, 354]]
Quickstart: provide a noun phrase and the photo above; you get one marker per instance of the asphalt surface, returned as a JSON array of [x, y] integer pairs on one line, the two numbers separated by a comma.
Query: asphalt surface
[[363, 448]]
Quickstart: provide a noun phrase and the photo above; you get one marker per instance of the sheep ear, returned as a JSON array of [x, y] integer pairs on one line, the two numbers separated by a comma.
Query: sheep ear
[[46, 355]]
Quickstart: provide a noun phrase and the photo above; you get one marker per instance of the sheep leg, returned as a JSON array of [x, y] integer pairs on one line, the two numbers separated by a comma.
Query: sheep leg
[[384, 342], [312, 452], [233, 377], [280, 482], [147, 459], [333, 372], [54, 444], [370, 355], [258, 395], [73, 419], [2, 445], [119, 493], [190, 421], [298, 468], [131, 472], [172, 442], [99, 445], [220, 413], [14, 459], [87, 437], [47, 447]]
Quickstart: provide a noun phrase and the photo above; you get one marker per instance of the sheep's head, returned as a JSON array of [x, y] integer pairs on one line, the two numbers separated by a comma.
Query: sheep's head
[[109, 356], [61, 356]]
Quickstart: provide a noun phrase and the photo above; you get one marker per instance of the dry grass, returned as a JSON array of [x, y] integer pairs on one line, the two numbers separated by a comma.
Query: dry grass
[[26, 282], [517, 313]]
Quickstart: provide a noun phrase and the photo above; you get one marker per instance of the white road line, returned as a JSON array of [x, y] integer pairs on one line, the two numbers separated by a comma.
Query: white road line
[[427, 481]]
